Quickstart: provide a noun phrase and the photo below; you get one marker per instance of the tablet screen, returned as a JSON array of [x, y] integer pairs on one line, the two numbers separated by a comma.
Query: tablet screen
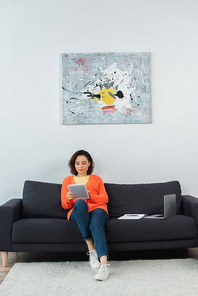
[[79, 190]]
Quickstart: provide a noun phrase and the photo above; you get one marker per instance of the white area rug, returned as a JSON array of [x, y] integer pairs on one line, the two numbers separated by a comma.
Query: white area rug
[[139, 277]]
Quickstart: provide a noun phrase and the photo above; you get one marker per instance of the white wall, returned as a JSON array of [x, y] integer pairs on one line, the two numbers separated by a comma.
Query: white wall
[[33, 144]]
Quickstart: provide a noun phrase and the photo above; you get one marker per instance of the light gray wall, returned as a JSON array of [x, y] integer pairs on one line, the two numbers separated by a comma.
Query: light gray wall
[[33, 144]]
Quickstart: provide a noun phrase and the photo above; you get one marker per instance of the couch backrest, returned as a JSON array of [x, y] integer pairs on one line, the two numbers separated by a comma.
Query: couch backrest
[[141, 198], [42, 200]]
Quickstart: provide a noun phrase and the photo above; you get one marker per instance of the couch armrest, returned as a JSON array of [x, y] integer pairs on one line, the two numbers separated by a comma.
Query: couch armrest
[[190, 206], [9, 213]]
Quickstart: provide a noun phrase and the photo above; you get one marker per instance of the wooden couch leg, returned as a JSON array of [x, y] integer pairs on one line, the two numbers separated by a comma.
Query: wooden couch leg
[[5, 258]]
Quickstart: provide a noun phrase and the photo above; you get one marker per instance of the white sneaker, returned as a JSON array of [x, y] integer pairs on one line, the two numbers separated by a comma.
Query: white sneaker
[[93, 259], [103, 273]]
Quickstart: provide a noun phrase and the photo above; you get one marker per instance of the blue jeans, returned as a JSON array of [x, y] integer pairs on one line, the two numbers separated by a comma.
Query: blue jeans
[[91, 225]]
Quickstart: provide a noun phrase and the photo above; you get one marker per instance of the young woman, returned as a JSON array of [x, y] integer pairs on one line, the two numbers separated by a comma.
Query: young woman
[[90, 214]]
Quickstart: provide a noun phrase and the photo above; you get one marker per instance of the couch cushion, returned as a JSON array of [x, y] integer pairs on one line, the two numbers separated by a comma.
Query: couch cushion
[[42, 200], [179, 227], [46, 231], [141, 198]]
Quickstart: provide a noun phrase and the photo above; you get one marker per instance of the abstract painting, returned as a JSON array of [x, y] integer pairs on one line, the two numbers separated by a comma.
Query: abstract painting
[[106, 88]]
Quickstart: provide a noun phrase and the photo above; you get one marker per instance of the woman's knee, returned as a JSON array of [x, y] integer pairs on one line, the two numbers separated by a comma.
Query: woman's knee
[[81, 205]]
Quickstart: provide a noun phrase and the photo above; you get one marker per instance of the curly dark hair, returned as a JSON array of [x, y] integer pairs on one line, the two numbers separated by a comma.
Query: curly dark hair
[[71, 162]]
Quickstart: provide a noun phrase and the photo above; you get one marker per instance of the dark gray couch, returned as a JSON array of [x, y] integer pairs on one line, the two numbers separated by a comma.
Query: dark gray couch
[[37, 222]]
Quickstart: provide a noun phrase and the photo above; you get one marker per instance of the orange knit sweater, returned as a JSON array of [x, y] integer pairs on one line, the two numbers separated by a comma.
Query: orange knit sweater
[[98, 197]]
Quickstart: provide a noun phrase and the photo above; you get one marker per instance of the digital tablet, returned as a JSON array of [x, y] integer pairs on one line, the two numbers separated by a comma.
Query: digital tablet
[[79, 190]]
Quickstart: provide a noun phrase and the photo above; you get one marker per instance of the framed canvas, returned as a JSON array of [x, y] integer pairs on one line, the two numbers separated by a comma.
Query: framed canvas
[[105, 88]]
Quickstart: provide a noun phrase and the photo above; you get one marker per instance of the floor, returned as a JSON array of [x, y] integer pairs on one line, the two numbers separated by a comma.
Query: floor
[[47, 257]]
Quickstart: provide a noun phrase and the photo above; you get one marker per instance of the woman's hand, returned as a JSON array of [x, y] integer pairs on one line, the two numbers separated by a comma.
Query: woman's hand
[[70, 196]]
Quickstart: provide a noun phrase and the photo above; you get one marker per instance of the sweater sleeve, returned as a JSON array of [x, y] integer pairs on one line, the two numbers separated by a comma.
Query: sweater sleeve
[[65, 202], [99, 195]]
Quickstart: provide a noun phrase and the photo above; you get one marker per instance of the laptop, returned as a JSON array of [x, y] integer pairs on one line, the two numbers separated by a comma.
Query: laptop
[[169, 208]]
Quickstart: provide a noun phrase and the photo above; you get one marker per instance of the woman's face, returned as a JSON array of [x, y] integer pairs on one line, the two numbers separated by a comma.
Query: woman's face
[[82, 165]]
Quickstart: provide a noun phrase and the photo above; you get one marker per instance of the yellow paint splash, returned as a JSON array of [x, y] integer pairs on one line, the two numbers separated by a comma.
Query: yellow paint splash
[[106, 98], [95, 99]]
